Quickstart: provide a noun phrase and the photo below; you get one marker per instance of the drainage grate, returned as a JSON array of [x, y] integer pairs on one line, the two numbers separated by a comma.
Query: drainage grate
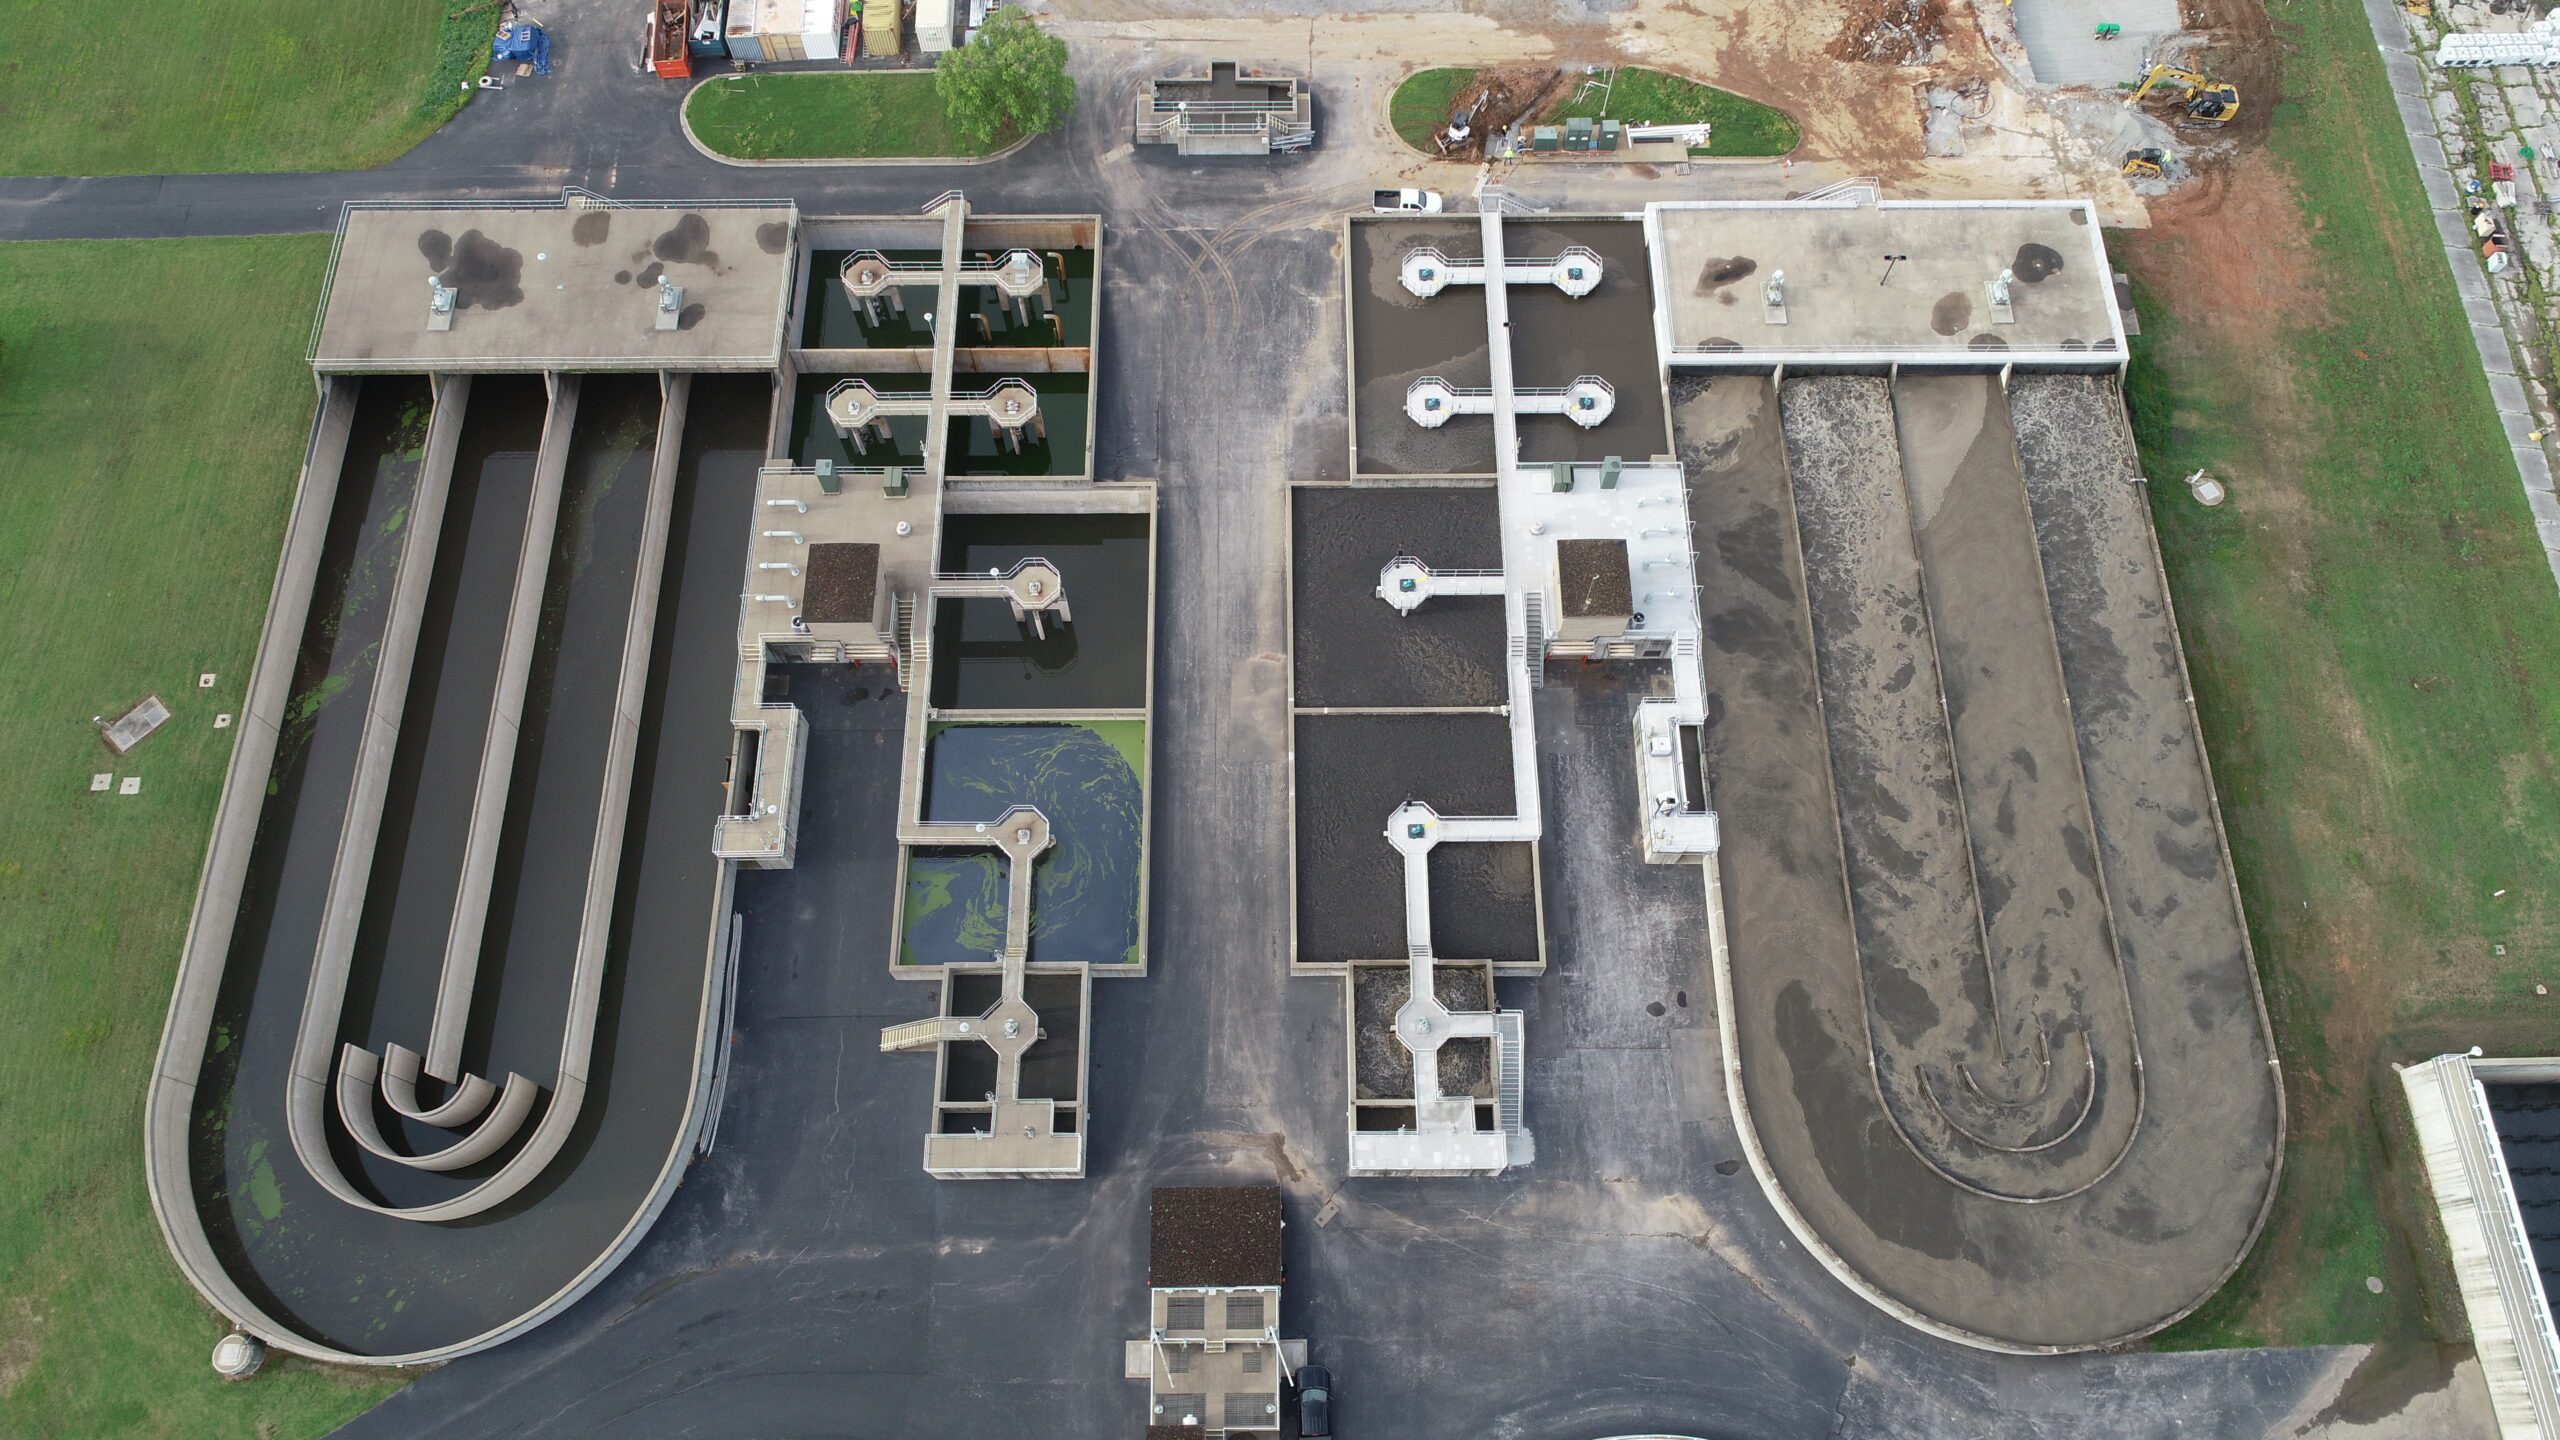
[[1244, 1312], [1186, 1312], [1250, 1412]]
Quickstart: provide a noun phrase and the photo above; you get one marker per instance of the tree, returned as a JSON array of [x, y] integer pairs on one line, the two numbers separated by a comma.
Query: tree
[[1010, 79]]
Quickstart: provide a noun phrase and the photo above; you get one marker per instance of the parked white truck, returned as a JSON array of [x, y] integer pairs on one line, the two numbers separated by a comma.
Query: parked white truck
[[1405, 202]]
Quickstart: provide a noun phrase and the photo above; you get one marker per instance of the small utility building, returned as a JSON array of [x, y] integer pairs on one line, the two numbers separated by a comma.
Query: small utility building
[[1213, 1358]]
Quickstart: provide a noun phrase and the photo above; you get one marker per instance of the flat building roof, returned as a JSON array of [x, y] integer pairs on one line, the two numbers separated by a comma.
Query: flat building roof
[[557, 286], [1880, 282]]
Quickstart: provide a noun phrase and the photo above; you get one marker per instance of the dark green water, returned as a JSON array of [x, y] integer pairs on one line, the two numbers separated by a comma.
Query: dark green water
[[1058, 450], [564, 738], [973, 450], [814, 437], [1084, 889], [831, 322], [984, 660]]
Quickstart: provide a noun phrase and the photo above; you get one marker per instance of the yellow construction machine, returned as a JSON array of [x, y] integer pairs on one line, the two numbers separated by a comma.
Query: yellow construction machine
[[2208, 102], [2144, 164]]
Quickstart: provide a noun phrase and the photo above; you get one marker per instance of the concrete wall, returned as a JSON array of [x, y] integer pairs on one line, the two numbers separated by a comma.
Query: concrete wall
[[170, 1103]]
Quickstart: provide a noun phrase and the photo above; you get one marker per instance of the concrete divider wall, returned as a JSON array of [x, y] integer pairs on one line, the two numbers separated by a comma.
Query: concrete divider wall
[[188, 1029], [498, 751], [316, 1044]]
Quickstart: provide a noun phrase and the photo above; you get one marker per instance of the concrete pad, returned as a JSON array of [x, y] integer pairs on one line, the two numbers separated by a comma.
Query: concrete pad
[[549, 287], [2062, 44]]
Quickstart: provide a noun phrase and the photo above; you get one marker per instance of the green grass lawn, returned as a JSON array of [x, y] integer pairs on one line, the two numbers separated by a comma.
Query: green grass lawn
[[1421, 103], [1640, 96], [154, 408], [1636, 95], [864, 115], [2375, 642], [181, 85]]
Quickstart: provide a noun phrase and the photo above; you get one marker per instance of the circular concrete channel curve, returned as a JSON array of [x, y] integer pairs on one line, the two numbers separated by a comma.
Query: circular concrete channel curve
[[1992, 1024]]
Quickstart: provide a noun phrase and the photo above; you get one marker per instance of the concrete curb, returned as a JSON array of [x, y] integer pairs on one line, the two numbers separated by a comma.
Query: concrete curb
[[684, 118], [2400, 70]]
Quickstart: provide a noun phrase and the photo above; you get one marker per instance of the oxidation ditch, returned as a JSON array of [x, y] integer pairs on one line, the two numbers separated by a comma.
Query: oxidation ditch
[[1089, 779], [549, 835], [370, 1284], [984, 660], [426, 811]]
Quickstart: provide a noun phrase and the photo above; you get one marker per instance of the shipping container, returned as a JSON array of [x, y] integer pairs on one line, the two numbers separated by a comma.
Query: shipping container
[[880, 29]]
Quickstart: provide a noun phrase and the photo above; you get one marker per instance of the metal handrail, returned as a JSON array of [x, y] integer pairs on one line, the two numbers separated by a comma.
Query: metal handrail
[[938, 201], [1406, 557], [2104, 346], [1217, 106]]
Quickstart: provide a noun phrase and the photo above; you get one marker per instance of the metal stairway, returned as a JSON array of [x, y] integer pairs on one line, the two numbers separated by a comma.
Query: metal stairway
[[1510, 1050]]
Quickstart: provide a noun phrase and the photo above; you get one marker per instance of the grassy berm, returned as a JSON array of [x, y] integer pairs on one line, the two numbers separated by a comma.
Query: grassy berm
[[161, 86], [154, 409], [2375, 640]]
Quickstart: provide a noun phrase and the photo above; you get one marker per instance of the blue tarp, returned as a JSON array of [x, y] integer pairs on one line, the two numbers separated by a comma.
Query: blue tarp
[[521, 41]]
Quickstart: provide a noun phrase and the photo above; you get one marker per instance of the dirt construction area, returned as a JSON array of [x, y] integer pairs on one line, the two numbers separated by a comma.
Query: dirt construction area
[[1856, 75]]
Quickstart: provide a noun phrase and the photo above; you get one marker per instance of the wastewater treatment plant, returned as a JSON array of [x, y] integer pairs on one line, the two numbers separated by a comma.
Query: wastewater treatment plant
[[1699, 653]]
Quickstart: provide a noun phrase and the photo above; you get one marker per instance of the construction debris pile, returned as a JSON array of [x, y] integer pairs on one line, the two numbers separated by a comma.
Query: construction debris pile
[[1891, 32]]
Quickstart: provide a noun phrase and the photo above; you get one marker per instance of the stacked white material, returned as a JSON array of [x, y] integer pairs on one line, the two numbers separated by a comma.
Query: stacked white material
[[2539, 45], [782, 31]]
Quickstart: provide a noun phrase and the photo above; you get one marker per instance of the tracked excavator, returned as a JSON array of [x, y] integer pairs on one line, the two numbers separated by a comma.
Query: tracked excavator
[[2208, 101]]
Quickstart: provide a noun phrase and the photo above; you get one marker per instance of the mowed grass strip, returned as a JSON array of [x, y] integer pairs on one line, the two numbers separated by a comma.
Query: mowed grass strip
[[160, 86], [154, 410], [2375, 640], [1638, 96], [865, 115]]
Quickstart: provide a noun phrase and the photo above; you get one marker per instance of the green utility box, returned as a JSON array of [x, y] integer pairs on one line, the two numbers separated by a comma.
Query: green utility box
[[1578, 134], [1611, 132], [1545, 137]]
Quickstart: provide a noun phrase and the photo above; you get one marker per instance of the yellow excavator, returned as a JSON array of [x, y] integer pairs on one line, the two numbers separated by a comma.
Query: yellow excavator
[[2208, 102]]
